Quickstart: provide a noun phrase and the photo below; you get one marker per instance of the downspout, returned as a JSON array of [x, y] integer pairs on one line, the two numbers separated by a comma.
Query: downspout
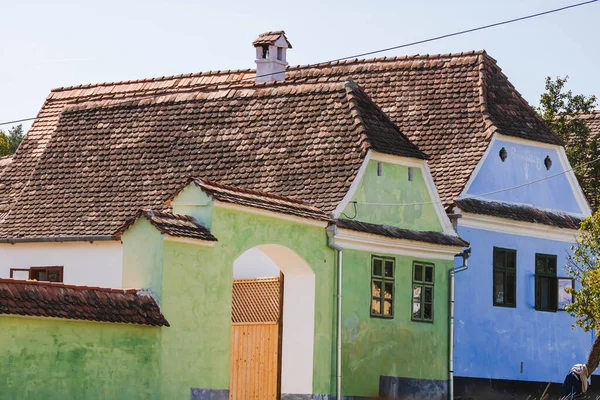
[[331, 230], [465, 256]]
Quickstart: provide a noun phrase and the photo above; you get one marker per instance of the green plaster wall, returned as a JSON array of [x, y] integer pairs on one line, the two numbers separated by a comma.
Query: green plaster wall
[[395, 347], [197, 300], [393, 187], [142, 257], [193, 201], [52, 359]]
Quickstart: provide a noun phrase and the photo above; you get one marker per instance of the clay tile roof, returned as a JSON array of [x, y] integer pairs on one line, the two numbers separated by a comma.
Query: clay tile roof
[[592, 120], [518, 213], [299, 141], [262, 200], [270, 38], [172, 224], [255, 300], [130, 144], [47, 299], [399, 233]]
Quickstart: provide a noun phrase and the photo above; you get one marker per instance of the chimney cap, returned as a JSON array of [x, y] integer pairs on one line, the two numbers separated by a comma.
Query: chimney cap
[[269, 38]]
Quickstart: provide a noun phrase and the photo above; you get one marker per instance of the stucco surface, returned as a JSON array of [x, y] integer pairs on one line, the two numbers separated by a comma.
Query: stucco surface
[[524, 164], [43, 358], [397, 347], [492, 342], [393, 187]]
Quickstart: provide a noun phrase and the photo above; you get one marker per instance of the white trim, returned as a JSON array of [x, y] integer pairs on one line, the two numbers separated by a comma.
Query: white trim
[[512, 227], [388, 158], [409, 162], [562, 157], [350, 239], [208, 243], [350, 193], [526, 142], [577, 191], [259, 211]]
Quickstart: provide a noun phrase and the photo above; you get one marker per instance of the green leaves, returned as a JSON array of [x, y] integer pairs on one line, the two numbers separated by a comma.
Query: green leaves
[[562, 111], [10, 142]]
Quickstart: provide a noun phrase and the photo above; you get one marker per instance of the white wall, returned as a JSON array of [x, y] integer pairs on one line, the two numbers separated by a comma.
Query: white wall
[[91, 264]]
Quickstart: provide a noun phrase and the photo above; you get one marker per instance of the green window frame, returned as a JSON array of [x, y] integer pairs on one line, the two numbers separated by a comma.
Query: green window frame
[[504, 285], [382, 286], [546, 282], [423, 281]]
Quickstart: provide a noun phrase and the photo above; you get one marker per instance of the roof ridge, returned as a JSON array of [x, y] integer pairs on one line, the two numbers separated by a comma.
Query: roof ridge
[[249, 70], [68, 286]]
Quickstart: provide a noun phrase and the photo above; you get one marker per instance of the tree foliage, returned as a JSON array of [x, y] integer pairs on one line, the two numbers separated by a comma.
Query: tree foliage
[[9, 142], [562, 110], [4, 146], [584, 267]]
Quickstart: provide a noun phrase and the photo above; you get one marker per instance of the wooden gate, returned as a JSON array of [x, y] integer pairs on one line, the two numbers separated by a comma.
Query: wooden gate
[[255, 339]]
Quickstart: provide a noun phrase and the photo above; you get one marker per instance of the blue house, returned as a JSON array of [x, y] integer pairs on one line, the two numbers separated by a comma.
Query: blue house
[[520, 210]]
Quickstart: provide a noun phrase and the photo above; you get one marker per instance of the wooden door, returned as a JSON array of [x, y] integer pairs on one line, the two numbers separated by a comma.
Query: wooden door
[[255, 339]]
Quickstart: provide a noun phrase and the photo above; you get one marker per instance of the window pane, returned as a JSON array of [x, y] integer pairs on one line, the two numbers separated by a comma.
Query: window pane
[[510, 288], [551, 265], [376, 306], [428, 295], [389, 287], [377, 264], [545, 293], [511, 259], [54, 275], [389, 269], [417, 293], [376, 289], [499, 258], [417, 310], [418, 273], [427, 311], [24, 275], [387, 307], [499, 287], [429, 274]]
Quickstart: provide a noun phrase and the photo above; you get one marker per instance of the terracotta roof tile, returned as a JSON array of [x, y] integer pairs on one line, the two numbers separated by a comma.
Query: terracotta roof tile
[[255, 300], [399, 233], [104, 163], [448, 105], [171, 224], [47, 299], [262, 200], [519, 213], [270, 38], [593, 121]]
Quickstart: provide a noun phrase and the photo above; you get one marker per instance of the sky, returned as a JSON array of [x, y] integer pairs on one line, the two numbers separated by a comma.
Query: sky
[[49, 44]]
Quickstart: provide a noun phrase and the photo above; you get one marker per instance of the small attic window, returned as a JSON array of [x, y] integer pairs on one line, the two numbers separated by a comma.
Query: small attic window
[[411, 174], [379, 169], [280, 53], [548, 162], [503, 154]]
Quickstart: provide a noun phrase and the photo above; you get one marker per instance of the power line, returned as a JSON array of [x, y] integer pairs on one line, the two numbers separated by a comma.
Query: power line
[[483, 194], [361, 54]]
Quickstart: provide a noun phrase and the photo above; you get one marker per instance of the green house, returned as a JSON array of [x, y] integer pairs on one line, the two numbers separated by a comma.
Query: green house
[[327, 207]]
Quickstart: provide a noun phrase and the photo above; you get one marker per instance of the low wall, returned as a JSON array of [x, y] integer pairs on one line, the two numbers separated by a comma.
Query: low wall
[[47, 358]]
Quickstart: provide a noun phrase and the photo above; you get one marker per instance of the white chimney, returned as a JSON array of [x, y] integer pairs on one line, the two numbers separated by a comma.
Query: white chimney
[[271, 52]]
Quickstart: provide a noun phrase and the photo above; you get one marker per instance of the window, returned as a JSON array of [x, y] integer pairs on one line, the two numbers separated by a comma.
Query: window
[[411, 174], [505, 277], [280, 53], [422, 295], [47, 274], [382, 287], [379, 169], [546, 283]]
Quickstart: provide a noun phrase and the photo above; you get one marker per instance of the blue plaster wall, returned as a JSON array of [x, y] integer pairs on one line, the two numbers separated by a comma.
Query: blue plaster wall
[[524, 164], [491, 342]]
